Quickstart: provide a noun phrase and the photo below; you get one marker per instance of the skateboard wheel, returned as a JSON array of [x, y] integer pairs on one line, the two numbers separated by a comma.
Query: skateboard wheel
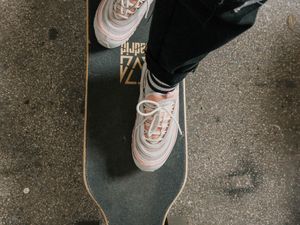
[[176, 220]]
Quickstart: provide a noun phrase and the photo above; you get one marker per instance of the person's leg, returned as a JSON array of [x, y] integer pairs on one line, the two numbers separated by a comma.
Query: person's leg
[[181, 34], [184, 31]]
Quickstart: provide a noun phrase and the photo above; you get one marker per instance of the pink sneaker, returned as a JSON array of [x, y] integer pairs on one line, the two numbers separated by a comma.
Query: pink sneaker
[[156, 126], [116, 20]]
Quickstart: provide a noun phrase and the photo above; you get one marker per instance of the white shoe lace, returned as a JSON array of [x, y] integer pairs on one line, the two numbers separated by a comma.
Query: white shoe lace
[[247, 3], [158, 126], [123, 9]]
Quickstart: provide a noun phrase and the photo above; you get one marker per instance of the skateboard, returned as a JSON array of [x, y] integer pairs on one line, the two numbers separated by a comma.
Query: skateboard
[[124, 194]]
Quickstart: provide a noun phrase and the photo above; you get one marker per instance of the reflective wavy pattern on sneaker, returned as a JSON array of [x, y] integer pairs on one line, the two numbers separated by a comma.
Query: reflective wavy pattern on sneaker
[[156, 126], [116, 20]]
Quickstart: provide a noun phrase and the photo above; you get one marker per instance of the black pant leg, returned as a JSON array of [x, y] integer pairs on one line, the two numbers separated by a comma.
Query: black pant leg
[[184, 31]]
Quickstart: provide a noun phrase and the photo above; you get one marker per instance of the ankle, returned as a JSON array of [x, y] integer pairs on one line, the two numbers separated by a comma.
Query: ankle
[[158, 86]]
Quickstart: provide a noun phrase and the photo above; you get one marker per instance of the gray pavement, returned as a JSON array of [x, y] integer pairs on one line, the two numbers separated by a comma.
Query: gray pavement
[[243, 121]]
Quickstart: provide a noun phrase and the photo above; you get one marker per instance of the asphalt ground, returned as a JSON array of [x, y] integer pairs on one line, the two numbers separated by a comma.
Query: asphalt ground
[[243, 120]]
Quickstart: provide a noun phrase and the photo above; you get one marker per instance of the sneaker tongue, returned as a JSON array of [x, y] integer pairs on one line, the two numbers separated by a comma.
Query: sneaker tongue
[[162, 99]]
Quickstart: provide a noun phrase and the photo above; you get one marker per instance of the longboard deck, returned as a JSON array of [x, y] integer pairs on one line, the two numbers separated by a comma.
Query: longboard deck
[[124, 194]]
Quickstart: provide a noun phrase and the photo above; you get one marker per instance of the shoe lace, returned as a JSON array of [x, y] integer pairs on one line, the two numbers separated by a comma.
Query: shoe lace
[[156, 120], [247, 3], [125, 8]]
